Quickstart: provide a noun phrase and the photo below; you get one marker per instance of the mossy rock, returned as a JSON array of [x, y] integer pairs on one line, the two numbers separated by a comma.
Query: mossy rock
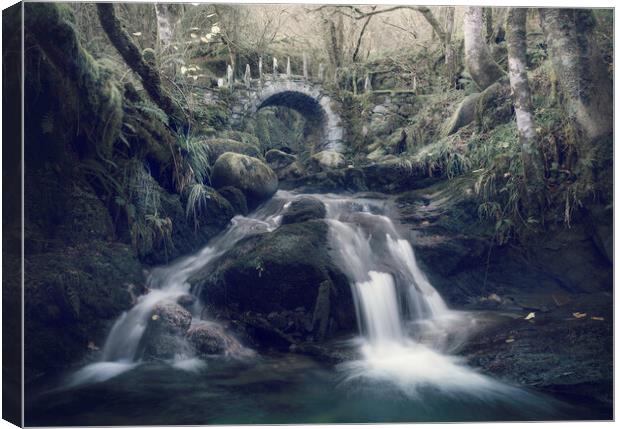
[[254, 178], [163, 337], [328, 159], [236, 198], [280, 271], [304, 209]]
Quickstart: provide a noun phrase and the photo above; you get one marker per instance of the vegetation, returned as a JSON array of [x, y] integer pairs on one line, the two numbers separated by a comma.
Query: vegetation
[[130, 106]]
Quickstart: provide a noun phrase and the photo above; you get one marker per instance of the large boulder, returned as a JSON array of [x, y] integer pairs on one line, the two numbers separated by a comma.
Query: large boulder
[[256, 180], [303, 209], [274, 274], [218, 146], [328, 159], [165, 331]]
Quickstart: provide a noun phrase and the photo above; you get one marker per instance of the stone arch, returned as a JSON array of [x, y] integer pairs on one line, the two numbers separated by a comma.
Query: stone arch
[[319, 110]]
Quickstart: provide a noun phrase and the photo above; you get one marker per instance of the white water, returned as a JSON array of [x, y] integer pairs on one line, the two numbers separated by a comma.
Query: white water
[[168, 284], [406, 326]]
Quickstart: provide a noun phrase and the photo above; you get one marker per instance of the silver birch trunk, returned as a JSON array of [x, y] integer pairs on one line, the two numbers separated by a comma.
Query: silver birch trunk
[[533, 168], [480, 65]]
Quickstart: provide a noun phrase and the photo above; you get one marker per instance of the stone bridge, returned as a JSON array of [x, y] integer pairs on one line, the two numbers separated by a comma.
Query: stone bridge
[[323, 123], [324, 127]]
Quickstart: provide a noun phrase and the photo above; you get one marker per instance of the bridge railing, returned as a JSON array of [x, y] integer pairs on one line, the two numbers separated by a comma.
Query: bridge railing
[[229, 80]]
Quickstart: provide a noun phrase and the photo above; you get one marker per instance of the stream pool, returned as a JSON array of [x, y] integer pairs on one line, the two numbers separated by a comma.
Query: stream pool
[[273, 389]]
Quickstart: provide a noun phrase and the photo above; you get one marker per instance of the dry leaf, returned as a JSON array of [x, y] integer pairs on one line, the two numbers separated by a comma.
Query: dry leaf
[[155, 317], [579, 315], [597, 318], [530, 316], [510, 340], [137, 33]]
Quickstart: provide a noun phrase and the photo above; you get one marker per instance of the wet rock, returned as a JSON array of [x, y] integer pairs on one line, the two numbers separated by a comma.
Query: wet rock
[[345, 179], [256, 180], [555, 351], [288, 269], [328, 159], [163, 336], [212, 339], [236, 198], [186, 301], [303, 209], [261, 332]]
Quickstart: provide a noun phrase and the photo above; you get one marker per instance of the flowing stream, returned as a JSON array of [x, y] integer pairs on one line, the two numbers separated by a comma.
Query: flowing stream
[[406, 336]]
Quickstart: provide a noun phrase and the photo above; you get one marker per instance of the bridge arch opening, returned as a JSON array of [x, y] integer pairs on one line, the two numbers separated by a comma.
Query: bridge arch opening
[[315, 127]]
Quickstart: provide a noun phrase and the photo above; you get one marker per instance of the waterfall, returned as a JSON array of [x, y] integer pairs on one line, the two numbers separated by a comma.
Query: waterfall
[[405, 326], [165, 284]]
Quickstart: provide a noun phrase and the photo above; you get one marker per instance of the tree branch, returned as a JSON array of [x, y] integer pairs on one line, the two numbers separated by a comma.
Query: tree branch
[[151, 80]]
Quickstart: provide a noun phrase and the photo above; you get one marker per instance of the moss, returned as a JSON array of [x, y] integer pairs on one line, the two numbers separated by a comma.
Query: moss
[[98, 97], [72, 295], [494, 106]]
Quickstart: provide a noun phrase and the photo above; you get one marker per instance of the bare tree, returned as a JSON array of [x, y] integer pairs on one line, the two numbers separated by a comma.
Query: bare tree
[[533, 168]]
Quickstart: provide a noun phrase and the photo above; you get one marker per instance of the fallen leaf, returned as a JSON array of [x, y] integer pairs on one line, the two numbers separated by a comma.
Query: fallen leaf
[[155, 317], [530, 316], [510, 340], [494, 297], [597, 318], [138, 33], [579, 315]]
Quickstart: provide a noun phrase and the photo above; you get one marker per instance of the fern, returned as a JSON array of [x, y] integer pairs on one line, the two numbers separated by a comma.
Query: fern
[[197, 201]]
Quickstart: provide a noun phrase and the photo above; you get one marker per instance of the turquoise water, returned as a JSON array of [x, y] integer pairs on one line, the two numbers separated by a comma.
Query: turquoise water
[[285, 388]]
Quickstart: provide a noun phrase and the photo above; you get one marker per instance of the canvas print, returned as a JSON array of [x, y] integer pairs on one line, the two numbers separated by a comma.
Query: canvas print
[[307, 213]]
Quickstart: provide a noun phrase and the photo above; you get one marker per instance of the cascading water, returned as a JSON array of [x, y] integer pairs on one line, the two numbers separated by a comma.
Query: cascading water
[[406, 335], [405, 324], [168, 284]]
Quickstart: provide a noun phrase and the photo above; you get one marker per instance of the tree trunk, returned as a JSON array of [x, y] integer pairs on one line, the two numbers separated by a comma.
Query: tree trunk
[[533, 168], [480, 65], [448, 48], [151, 80], [164, 26], [585, 85], [488, 24]]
